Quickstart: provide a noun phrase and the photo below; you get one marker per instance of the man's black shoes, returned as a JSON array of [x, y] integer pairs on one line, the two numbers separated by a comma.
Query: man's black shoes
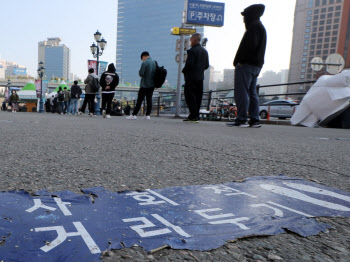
[[238, 124], [253, 124]]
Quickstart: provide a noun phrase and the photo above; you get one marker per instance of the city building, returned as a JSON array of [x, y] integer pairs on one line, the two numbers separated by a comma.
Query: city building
[[321, 28], [145, 26], [11, 69], [273, 78], [56, 58]]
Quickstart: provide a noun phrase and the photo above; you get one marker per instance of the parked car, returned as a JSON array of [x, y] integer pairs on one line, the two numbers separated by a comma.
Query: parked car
[[278, 108]]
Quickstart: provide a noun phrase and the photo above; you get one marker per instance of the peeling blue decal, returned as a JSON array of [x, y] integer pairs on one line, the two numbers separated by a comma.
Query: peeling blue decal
[[65, 226]]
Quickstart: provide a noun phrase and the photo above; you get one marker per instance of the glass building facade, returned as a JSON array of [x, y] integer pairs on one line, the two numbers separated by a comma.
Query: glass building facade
[[144, 25], [57, 61]]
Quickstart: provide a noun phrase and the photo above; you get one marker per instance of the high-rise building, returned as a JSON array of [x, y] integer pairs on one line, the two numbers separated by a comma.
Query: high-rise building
[[56, 58], [145, 26], [321, 28], [8, 68]]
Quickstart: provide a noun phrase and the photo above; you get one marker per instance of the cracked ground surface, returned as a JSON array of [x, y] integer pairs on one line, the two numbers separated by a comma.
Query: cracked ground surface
[[71, 153]]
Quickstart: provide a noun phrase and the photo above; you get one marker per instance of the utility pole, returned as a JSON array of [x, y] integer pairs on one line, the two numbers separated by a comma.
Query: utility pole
[[179, 73]]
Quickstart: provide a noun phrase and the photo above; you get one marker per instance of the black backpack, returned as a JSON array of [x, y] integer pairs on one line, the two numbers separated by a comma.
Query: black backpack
[[61, 97], [95, 86], [159, 76]]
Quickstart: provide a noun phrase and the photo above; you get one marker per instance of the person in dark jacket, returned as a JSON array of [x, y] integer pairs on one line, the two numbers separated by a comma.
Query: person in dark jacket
[[109, 81], [248, 63], [60, 100], [197, 62], [146, 72], [75, 92]]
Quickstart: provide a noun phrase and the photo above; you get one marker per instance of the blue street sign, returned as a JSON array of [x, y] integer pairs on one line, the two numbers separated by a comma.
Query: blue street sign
[[65, 226], [205, 13]]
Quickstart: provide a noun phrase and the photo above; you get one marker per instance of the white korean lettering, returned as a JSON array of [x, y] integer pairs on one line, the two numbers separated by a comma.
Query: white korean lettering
[[235, 221], [204, 211], [222, 188], [146, 198], [62, 206], [199, 15], [300, 196], [62, 236], [212, 17], [37, 205], [147, 224]]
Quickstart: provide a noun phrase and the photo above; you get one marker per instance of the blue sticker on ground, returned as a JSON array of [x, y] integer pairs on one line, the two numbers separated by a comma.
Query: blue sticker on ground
[[65, 226]]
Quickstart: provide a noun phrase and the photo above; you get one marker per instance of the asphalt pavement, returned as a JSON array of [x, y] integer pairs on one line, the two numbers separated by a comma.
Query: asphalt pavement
[[61, 152]]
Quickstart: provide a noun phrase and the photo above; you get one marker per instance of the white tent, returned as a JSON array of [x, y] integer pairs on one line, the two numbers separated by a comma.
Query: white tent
[[28, 92], [327, 97]]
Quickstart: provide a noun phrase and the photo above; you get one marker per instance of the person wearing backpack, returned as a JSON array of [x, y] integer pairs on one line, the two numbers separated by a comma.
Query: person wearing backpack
[[147, 72], [67, 98], [91, 88], [109, 81], [60, 100], [75, 95]]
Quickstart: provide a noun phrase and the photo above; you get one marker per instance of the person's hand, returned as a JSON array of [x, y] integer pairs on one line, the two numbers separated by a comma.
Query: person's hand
[[107, 87]]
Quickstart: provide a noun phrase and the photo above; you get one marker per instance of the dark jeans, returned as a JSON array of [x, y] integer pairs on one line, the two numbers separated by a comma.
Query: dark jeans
[[66, 106], [144, 92], [245, 92], [60, 107], [193, 95], [107, 99], [90, 100]]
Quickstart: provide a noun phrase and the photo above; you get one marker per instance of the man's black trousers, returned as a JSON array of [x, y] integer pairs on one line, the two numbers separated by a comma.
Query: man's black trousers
[[193, 96], [144, 92], [90, 100], [107, 99]]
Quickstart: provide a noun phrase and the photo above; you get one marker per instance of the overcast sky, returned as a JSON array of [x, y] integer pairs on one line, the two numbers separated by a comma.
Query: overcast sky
[[25, 23]]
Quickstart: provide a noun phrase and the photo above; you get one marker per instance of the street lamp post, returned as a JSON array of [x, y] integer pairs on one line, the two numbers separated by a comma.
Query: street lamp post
[[95, 50], [41, 71]]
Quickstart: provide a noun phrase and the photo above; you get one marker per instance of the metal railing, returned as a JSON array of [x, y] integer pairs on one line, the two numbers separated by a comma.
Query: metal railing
[[165, 103]]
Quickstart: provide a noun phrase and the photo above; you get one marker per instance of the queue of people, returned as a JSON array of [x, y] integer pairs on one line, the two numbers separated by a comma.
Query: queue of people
[[248, 63]]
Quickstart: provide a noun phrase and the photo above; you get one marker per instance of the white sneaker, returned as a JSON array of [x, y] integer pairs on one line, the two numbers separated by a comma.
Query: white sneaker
[[104, 113], [91, 114], [13, 111], [148, 118], [108, 116], [131, 117], [61, 113]]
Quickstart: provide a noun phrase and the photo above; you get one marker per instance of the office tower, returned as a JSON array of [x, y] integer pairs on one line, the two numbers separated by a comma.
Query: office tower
[[56, 58], [145, 26], [321, 28]]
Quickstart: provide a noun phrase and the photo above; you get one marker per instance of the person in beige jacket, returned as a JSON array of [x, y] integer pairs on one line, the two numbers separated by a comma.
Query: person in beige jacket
[[89, 93]]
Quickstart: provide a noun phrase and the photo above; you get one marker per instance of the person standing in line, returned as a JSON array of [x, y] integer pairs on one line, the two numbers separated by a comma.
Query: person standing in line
[[14, 98], [75, 96], [60, 100], [89, 93], [248, 63], [67, 98], [147, 72], [3, 107], [109, 81], [197, 62]]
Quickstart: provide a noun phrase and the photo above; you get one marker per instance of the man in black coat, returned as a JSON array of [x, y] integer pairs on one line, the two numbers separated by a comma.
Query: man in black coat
[[248, 63], [197, 62]]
